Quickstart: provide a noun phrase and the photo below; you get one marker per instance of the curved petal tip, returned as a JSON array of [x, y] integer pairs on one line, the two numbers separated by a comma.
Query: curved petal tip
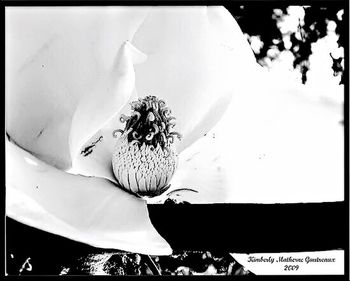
[[105, 99]]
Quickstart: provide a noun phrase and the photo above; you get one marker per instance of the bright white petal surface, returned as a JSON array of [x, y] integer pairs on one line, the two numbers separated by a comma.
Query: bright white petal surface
[[55, 57], [106, 99], [273, 145], [89, 210], [191, 70], [191, 66], [98, 162]]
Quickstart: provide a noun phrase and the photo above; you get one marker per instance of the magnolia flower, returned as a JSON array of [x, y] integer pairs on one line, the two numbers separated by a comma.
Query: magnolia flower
[[71, 73], [245, 138]]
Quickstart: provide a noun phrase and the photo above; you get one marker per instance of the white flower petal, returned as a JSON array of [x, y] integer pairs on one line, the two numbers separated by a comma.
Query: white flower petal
[[89, 210], [189, 66], [273, 145], [230, 36], [106, 99], [54, 58], [99, 162], [214, 36], [211, 47]]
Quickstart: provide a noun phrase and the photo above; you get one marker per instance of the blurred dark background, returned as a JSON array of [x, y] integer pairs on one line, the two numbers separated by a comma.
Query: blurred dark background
[[294, 30]]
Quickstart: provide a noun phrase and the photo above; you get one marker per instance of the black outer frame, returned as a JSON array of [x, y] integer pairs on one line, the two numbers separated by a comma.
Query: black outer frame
[[346, 136], [251, 218]]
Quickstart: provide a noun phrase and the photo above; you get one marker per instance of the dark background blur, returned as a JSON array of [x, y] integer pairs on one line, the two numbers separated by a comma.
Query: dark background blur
[[294, 30]]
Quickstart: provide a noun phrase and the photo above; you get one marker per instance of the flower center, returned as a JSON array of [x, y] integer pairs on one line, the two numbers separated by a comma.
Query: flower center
[[150, 122]]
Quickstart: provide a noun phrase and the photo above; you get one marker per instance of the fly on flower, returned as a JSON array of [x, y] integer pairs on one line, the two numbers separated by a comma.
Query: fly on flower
[[145, 159]]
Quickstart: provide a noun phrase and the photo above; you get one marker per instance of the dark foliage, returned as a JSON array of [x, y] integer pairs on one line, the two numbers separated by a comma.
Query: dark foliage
[[263, 21], [180, 263]]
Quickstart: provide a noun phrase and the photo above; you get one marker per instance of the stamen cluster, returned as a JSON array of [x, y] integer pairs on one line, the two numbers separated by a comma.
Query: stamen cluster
[[144, 159]]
